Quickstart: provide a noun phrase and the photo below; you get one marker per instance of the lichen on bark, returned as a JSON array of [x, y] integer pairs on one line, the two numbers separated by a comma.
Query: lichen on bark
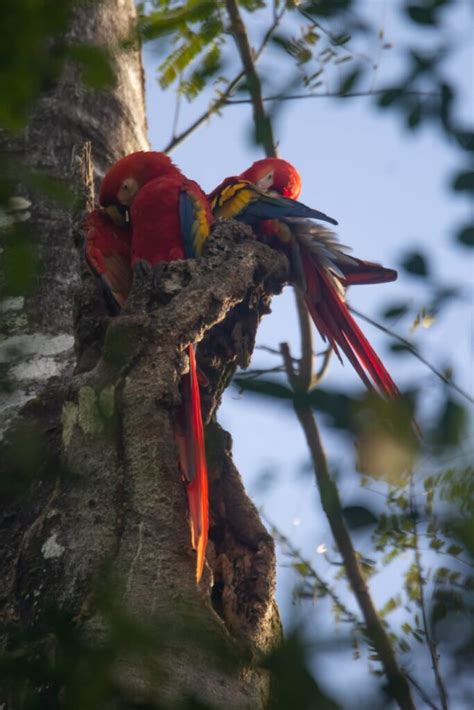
[[119, 500], [93, 513]]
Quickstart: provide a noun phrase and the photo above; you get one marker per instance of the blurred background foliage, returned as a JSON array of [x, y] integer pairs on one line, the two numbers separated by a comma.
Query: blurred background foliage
[[425, 487], [34, 51], [301, 49]]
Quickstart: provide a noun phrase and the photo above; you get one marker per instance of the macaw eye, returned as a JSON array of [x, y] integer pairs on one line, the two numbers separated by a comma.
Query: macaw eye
[[128, 190]]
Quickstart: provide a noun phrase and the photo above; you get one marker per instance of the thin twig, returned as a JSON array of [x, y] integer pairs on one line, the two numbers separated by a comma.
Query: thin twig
[[263, 123], [332, 38], [177, 108], [214, 107], [254, 374], [348, 615], [327, 95], [398, 683], [421, 692], [274, 351], [224, 97], [263, 126], [412, 349], [305, 368], [421, 583], [321, 373]]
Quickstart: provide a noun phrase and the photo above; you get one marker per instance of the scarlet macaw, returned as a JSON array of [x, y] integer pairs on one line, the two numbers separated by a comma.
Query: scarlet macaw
[[169, 218], [108, 252], [321, 265]]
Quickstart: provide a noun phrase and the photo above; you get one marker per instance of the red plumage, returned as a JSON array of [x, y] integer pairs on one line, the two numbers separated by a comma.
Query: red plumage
[[285, 179], [156, 224], [336, 325], [322, 269], [170, 219], [108, 251]]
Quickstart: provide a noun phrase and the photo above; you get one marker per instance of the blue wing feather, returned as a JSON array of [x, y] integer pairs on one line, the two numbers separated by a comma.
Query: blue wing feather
[[187, 219], [266, 207]]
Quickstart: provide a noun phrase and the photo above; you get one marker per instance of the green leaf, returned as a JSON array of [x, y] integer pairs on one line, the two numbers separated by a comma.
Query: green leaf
[[390, 96], [338, 407], [95, 64], [465, 235], [193, 44], [302, 568], [264, 388], [292, 683], [395, 311], [19, 262], [464, 181], [349, 81], [415, 115], [465, 140], [209, 66], [252, 5], [415, 263], [327, 8], [400, 348], [422, 15], [357, 516], [451, 424], [164, 22]]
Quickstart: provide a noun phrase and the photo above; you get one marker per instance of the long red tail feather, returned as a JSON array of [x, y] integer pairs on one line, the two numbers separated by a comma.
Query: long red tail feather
[[336, 325], [193, 463], [366, 272]]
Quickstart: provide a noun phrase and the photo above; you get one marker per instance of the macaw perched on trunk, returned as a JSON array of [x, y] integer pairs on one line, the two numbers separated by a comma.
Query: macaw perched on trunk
[[108, 251], [170, 219], [321, 266]]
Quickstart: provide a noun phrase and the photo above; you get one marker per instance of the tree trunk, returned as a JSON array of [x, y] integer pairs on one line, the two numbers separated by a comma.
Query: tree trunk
[[39, 328], [98, 598]]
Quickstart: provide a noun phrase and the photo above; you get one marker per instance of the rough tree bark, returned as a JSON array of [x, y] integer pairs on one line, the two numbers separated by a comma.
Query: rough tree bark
[[39, 329], [104, 499]]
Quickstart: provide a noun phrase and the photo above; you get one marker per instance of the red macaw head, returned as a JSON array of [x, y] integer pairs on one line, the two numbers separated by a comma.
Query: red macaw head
[[274, 174], [127, 176]]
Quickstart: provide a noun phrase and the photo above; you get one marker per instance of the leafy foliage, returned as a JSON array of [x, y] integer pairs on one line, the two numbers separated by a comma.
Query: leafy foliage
[[33, 53], [424, 527]]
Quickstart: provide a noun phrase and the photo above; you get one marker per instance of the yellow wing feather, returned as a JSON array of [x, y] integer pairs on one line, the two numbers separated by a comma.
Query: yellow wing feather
[[200, 229], [233, 199]]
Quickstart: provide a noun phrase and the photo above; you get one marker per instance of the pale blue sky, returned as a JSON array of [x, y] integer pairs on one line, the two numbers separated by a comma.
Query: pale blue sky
[[388, 189]]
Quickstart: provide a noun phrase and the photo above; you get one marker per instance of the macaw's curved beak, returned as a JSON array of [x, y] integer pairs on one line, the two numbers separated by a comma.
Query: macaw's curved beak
[[119, 215]]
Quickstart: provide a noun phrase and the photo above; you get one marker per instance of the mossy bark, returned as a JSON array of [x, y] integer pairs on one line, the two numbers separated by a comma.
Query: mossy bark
[[98, 601]]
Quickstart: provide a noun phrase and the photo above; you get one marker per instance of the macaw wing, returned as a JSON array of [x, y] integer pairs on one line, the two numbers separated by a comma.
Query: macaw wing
[[107, 252], [194, 219], [243, 200], [119, 275], [214, 195]]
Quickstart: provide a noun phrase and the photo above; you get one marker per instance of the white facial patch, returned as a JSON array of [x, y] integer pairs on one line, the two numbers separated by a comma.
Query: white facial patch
[[264, 183]]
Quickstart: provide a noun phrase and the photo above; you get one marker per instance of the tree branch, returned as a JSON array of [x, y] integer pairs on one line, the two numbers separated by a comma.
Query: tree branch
[[224, 98], [413, 350], [305, 378], [219, 103], [398, 684], [263, 126], [421, 583], [124, 504], [346, 613], [264, 134], [328, 95]]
